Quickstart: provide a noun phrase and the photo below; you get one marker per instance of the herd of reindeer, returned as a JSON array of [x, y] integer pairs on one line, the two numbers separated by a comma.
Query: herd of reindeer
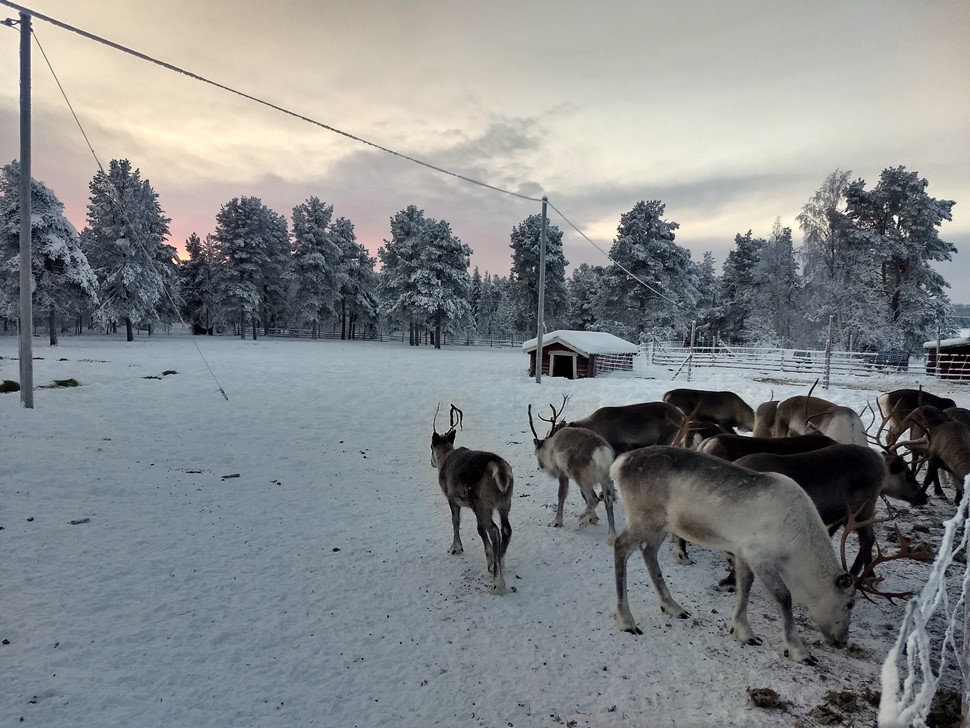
[[771, 500]]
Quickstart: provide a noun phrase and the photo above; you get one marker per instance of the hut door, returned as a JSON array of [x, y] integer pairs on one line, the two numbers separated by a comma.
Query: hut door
[[563, 365]]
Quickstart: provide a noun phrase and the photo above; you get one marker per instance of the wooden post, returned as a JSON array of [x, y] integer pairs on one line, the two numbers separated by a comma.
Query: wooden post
[[26, 276]]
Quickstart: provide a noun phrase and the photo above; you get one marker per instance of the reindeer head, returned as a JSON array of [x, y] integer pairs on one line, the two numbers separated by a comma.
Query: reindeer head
[[441, 445], [539, 442]]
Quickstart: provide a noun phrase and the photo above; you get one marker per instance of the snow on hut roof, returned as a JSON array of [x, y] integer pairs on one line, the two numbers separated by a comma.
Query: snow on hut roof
[[585, 342], [944, 343]]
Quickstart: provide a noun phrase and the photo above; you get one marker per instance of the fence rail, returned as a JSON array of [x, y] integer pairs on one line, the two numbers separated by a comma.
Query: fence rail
[[795, 361]]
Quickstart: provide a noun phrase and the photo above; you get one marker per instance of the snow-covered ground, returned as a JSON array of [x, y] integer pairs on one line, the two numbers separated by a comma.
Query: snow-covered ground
[[170, 558]]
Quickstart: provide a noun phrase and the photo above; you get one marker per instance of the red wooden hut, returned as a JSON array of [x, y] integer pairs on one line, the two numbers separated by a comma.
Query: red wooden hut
[[951, 360], [580, 354]]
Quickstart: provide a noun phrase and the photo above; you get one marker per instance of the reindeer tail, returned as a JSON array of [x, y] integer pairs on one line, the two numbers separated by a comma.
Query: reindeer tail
[[502, 475], [603, 458]]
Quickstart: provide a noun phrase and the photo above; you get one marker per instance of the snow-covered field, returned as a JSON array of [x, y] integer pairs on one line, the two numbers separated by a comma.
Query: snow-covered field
[[170, 558]]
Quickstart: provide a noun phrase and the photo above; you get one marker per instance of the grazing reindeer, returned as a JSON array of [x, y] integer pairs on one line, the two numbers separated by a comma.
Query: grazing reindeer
[[764, 419], [634, 425], [897, 404], [732, 447], [845, 475], [944, 444], [765, 519], [802, 414], [580, 454], [725, 408], [481, 481]]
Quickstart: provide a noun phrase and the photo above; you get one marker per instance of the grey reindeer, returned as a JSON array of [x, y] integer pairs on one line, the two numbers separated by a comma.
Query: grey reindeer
[[577, 453], [481, 481]]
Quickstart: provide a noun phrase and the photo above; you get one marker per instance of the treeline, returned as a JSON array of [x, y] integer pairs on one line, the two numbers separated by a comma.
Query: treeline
[[864, 263]]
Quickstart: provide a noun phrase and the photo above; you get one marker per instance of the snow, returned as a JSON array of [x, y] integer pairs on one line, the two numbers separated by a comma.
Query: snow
[[281, 558], [585, 342], [944, 343]]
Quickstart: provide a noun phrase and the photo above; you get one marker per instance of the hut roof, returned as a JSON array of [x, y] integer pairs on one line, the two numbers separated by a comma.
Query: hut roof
[[584, 342], [946, 343]]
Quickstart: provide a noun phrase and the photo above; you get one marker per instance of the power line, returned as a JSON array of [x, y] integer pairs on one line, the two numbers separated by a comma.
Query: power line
[[322, 125]]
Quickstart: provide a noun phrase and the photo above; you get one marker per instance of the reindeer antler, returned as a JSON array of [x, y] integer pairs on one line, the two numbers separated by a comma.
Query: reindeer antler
[[552, 420], [532, 424], [867, 581], [455, 417]]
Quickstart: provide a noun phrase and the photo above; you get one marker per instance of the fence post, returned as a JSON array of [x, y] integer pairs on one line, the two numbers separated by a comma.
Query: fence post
[[828, 357], [690, 360]]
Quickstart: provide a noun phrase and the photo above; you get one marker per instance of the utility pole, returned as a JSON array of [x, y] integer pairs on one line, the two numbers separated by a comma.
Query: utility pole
[[26, 317], [540, 318]]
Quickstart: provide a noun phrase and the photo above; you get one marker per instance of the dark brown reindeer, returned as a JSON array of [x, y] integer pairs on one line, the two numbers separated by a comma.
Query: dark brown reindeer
[[764, 419], [726, 409], [628, 427], [722, 506], [580, 454], [942, 443], [481, 481], [841, 477], [896, 406], [732, 447]]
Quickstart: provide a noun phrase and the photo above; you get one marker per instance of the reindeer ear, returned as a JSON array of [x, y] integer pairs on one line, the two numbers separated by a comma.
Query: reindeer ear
[[450, 437], [435, 438], [896, 464], [844, 581]]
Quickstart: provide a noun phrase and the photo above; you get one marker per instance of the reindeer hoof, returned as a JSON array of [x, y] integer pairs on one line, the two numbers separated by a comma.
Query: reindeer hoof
[[811, 661], [611, 539], [556, 524], [634, 630], [455, 550]]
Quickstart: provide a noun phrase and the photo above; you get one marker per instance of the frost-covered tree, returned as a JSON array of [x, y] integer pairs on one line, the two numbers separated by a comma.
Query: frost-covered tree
[[318, 268], [899, 222], [776, 291], [739, 280], [526, 238], [583, 289], [652, 284], [63, 281], [442, 282], [358, 294], [125, 244], [251, 240], [400, 263], [199, 281]]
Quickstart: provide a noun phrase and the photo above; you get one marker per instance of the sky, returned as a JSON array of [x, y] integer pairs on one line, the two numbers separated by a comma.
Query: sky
[[282, 558], [731, 114]]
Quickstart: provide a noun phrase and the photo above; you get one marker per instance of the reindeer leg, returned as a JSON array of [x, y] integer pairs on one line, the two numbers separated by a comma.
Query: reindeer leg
[[492, 539], [933, 476], [608, 497], [794, 647], [867, 538], [680, 550], [455, 522], [622, 548], [649, 550], [563, 489], [588, 516], [729, 582], [740, 629]]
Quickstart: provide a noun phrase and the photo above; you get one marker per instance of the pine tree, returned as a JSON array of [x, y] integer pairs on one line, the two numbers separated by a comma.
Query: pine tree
[[899, 222], [775, 291], [358, 294], [526, 238], [318, 265], [659, 295], [125, 244], [199, 284], [63, 281], [442, 283], [252, 242], [738, 283], [400, 264], [583, 288]]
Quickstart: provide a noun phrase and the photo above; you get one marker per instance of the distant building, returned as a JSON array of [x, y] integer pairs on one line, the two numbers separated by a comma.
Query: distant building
[[580, 354], [954, 358]]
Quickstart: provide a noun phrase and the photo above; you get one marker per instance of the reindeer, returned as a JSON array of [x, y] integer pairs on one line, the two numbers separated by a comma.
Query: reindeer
[[732, 447], [764, 419], [725, 408], [481, 481], [943, 444], [841, 476], [580, 454], [802, 414], [634, 425], [765, 519], [959, 414], [896, 405]]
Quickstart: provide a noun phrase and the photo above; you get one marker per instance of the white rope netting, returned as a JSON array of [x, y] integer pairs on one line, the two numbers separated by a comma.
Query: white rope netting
[[912, 669]]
